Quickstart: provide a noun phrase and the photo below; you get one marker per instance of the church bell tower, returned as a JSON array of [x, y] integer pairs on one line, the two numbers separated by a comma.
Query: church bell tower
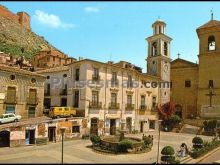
[[158, 59]]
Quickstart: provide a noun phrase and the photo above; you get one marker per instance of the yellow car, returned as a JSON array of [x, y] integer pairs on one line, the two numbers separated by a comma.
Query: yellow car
[[57, 112]]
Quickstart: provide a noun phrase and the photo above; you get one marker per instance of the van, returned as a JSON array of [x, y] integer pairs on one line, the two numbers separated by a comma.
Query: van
[[57, 112]]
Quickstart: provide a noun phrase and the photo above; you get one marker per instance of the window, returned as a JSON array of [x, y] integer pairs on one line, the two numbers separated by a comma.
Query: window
[[159, 29], [165, 48], [48, 77], [10, 109], [76, 129], [32, 96], [142, 100], [96, 74], [63, 102], [154, 49], [65, 75], [211, 43], [76, 99], [77, 74], [12, 77], [187, 83], [130, 81], [211, 84], [11, 95], [129, 99], [113, 98], [53, 58], [154, 103], [48, 89], [33, 80], [31, 112], [95, 98]]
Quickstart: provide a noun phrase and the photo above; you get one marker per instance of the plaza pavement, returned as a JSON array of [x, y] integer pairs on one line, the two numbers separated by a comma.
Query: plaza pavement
[[75, 151]]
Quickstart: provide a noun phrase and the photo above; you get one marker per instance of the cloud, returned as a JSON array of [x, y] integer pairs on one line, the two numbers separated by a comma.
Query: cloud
[[51, 20], [91, 9]]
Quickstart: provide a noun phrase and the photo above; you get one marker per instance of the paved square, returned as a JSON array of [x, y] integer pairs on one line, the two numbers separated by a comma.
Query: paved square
[[75, 151]]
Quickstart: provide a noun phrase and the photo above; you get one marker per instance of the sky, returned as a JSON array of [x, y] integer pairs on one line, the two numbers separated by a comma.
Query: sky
[[116, 31]]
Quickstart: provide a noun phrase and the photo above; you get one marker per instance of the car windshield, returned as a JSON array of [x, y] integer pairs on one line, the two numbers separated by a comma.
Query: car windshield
[[1, 116]]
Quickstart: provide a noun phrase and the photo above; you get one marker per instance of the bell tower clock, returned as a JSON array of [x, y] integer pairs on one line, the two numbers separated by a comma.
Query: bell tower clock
[[158, 59]]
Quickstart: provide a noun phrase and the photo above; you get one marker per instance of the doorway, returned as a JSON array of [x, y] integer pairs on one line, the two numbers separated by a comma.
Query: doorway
[[178, 110], [152, 124], [52, 134], [142, 127], [112, 126], [30, 137], [129, 123], [94, 126], [4, 139]]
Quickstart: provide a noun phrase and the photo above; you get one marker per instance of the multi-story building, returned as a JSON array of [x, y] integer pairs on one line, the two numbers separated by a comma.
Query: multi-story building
[[47, 58], [21, 92], [111, 93]]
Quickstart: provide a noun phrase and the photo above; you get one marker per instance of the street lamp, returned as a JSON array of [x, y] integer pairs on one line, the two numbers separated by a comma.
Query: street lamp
[[62, 129], [158, 149]]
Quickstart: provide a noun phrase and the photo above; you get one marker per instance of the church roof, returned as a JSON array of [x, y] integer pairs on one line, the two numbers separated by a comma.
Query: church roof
[[158, 21], [184, 63], [211, 23]]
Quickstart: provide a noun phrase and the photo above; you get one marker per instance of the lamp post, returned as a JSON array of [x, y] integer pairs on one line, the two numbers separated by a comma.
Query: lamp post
[[158, 147], [62, 129]]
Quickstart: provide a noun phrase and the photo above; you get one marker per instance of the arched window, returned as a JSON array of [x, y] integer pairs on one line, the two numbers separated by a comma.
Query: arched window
[[165, 48], [211, 43], [154, 49]]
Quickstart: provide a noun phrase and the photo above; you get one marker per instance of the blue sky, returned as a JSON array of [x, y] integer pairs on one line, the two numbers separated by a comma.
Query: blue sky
[[117, 30]]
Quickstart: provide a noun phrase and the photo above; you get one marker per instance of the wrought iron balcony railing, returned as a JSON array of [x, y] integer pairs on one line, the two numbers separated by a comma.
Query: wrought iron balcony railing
[[129, 106], [113, 105], [95, 105]]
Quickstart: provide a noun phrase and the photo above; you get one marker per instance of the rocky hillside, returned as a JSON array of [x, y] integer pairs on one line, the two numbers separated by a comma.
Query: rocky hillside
[[14, 38]]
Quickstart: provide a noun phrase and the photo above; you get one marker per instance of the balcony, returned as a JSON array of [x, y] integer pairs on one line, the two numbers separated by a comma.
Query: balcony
[[114, 106], [63, 92], [143, 107], [95, 78], [95, 105], [11, 100], [129, 107], [32, 101]]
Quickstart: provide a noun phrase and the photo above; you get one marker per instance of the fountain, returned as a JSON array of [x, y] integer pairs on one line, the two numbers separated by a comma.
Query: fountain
[[113, 143]]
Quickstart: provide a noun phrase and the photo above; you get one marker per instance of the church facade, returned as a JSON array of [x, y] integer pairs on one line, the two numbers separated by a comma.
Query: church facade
[[196, 87]]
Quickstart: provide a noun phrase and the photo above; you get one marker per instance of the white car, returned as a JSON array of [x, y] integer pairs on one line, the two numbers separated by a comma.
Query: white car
[[9, 117]]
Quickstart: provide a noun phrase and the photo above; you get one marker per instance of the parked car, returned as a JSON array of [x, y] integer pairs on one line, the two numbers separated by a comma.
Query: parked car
[[9, 117], [57, 112]]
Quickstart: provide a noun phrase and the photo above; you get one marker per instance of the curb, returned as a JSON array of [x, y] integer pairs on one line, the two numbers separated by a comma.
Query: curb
[[205, 156]]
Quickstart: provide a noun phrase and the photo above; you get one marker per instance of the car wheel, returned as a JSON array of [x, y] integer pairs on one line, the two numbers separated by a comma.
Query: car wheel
[[58, 117], [71, 115], [16, 120]]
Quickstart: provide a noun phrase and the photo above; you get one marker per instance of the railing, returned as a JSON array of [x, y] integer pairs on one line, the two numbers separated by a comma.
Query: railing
[[32, 101], [95, 105], [129, 106], [11, 100], [95, 78], [114, 105], [143, 107], [63, 92]]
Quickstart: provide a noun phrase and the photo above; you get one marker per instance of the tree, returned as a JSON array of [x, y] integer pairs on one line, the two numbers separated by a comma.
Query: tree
[[166, 111]]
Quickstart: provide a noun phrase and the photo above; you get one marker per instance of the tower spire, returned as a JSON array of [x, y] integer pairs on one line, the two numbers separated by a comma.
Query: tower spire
[[211, 14]]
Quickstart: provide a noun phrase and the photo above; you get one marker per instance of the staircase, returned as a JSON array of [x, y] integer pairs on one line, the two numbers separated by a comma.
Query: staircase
[[185, 160], [189, 129]]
